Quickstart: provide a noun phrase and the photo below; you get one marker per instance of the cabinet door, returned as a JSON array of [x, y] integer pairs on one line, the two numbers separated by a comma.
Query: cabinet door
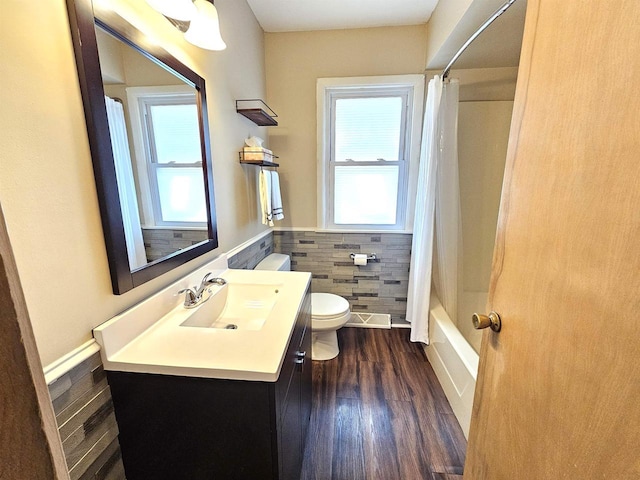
[[291, 433], [296, 410], [305, 384]]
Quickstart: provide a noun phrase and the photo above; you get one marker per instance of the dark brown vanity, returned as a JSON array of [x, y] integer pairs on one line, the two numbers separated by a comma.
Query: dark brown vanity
[[174, 427]]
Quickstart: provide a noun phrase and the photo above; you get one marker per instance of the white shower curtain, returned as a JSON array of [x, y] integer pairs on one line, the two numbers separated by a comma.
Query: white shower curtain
[[422, 243], [448, 226], [126, 184], [438, 152]]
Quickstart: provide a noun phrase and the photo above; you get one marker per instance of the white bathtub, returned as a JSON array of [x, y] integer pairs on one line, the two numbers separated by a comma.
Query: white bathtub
[[454, 362]]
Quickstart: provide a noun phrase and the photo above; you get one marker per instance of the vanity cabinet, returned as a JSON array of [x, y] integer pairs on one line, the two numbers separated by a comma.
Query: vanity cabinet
[[174, 427]]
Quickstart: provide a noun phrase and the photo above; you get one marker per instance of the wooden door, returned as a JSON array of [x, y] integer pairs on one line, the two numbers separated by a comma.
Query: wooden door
[[558, 393]]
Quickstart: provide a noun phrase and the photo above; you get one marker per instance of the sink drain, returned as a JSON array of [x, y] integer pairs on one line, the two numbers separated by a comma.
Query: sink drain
[[231, 326]]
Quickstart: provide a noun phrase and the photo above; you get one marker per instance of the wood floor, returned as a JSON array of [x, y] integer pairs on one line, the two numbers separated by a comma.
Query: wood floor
[[379, 413]]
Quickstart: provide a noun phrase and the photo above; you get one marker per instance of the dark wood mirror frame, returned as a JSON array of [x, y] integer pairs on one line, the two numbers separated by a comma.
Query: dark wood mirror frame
[[83, 19]]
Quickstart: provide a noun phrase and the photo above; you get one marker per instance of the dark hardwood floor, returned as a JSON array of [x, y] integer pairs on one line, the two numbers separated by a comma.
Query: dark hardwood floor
[[379, 413]]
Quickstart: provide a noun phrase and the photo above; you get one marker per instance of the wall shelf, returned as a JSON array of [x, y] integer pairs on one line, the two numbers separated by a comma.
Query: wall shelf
[[258, 163], [253, 110]]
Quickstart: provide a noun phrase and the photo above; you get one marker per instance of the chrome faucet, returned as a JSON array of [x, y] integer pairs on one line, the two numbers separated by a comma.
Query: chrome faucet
[[194, 296], [207, 282]]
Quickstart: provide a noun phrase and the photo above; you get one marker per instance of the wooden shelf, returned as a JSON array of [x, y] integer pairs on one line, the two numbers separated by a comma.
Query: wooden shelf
[[252, 109], [259, 163]]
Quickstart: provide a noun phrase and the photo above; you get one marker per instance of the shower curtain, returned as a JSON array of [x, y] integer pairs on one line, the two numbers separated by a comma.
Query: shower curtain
[[437, 190], [448, 225], [126, 185]]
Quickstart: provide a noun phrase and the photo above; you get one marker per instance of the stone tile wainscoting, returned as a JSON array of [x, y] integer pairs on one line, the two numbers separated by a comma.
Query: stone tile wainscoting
[[160, 242], [86, 422], [252, 254], [379, 287]]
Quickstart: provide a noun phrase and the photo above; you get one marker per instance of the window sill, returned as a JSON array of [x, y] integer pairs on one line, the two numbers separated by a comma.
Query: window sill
[[339, 230], [172, 227]]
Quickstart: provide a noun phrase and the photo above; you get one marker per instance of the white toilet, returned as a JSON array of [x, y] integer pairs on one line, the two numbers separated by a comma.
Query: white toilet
[[329, 312]]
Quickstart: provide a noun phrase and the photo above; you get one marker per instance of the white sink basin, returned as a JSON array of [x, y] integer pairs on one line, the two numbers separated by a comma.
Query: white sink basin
[[235, 306], [160, 336]]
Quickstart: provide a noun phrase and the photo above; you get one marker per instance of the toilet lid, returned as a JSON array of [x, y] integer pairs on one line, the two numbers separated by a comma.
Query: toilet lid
[[328, 305]]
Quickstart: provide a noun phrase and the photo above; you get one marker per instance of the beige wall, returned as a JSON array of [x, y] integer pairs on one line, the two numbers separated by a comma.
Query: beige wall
[[483, 133], [442, 23], [484, 119], [294, 61], [47, 190]]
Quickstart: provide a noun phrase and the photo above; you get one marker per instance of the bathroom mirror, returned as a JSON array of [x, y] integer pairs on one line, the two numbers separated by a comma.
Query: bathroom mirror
[[146, 117]]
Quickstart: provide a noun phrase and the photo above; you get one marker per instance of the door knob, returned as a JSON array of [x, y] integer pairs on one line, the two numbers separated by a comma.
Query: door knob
[[483, 321]]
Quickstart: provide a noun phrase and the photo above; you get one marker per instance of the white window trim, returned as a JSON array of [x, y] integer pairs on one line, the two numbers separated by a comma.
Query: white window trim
[[141, 154], [416, 83]]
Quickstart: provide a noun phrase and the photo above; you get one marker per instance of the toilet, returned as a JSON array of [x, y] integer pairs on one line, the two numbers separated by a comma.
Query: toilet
[[329, 312]]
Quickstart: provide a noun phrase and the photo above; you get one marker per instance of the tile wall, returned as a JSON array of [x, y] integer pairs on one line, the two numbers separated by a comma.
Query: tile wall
[[86, 422], [159, 243], [379, 287], [251, 255]]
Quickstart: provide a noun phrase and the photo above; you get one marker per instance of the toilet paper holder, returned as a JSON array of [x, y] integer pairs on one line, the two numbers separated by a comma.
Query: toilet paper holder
[[370, 256]]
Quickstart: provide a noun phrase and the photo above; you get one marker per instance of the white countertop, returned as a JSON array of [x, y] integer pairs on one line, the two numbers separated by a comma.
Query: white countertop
[[134, 342]]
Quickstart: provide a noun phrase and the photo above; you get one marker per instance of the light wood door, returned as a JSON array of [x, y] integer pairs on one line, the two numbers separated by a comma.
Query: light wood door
[[558, 392]]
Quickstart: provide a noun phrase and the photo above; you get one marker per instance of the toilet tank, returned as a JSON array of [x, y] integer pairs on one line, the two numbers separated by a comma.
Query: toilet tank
[[275, 261]]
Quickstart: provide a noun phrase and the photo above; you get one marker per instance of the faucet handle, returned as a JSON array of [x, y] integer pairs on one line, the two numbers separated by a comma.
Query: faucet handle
[[190, 298]]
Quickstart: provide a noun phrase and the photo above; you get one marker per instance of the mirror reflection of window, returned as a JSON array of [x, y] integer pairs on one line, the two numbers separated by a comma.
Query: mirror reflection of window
[[174, 160]]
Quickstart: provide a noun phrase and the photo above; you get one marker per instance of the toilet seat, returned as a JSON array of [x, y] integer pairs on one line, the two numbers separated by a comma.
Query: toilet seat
[[327, 306]]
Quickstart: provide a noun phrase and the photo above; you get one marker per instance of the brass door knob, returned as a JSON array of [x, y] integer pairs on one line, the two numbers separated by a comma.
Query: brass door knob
[[483, 321]]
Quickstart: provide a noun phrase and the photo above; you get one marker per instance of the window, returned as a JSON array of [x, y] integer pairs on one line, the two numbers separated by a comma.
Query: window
[[368, 144], [168, 156]]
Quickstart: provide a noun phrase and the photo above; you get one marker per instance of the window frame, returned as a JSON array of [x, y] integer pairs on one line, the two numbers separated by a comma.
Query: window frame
[[411, 88]]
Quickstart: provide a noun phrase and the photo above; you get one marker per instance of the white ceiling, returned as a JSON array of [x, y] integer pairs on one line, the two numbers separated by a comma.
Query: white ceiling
[[305, 15]]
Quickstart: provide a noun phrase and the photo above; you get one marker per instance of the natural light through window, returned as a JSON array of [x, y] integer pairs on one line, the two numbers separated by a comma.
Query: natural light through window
[[366, 195], [176, 133], [368, 129], [181, 195]]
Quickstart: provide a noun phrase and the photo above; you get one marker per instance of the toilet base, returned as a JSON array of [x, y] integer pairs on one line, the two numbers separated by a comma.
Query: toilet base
[[324, 345]]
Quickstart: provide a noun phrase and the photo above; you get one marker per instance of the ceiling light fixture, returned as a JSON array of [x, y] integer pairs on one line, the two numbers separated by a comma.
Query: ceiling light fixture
[[204, 31], [183, 10], [198, 19]]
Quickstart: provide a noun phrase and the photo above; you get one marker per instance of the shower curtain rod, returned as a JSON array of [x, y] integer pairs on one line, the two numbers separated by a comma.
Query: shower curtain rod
[[489, 21]]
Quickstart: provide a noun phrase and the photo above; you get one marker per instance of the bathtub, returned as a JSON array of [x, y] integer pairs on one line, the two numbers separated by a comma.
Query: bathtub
[[454, 361]]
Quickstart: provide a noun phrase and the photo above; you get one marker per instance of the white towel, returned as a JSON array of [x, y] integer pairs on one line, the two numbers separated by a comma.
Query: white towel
[[265, 197], [276, 198]]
